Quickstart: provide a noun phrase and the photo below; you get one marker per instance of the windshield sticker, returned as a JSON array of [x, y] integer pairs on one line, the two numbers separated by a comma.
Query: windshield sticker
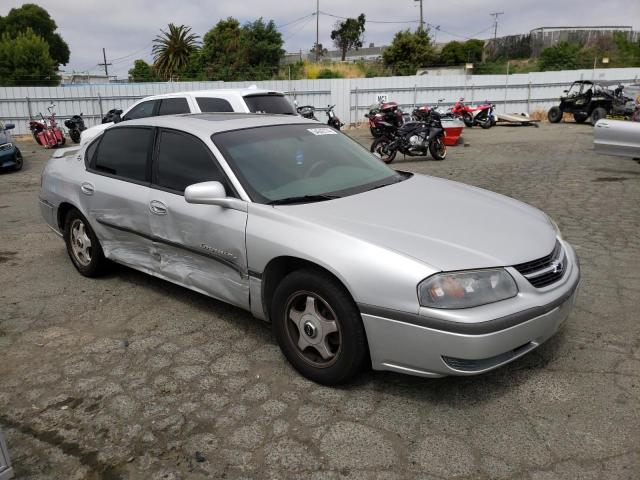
[[322, 131]]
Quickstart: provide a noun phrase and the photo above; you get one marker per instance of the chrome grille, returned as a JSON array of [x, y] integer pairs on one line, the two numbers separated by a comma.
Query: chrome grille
[[546, 270]]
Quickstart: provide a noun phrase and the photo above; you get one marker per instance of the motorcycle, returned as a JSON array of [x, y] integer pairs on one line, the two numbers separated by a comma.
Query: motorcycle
[[305, 111], [482, 115], [50, 135], [387, 112], [75, 125], [112, 116], [333, 121], [413, 139]]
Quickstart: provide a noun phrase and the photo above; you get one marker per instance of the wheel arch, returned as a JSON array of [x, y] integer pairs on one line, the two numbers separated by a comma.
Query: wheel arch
[[279, 267], [63, 210]]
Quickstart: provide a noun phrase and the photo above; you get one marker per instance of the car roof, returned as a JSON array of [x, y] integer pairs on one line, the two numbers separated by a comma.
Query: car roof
[[242, 92], [206, 124]]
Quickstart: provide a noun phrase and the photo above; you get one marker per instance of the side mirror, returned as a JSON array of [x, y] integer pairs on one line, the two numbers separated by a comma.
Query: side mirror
[[212, 193], [9, 126]]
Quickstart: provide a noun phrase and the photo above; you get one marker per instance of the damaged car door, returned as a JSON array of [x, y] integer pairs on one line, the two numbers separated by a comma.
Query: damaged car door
[[115, 194], [201, 246]]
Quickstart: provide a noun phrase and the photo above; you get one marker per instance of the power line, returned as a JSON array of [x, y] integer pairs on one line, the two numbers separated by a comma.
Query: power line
[[295, 21], [369, 21], [105, 64]]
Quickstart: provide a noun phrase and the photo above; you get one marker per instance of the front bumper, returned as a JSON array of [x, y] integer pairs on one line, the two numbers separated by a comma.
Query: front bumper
[[431, 347], [7, 158]]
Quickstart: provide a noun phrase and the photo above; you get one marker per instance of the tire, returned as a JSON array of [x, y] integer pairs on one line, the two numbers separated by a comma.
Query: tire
[[36, 138], [554, 115], [438, 149], [486, 123], [75, 135], [467, 118], [580, 117], [378, 149], [19, 161], [597, 114], [313, 301], [92, 262]]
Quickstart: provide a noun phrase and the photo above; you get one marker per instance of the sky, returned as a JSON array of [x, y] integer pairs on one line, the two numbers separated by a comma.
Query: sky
[[127, 28]]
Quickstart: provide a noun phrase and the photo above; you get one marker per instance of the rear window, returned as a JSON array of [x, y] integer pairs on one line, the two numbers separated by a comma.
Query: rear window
[[173, 106], [124, 152], [208, 104], [269, 103]]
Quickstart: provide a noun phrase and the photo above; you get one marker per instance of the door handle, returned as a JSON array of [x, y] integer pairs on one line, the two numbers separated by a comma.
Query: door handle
[[86, 188], [602, 125], [157, 207]]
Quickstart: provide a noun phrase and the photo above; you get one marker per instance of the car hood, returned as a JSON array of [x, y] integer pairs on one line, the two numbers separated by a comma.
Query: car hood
[[445, 224]]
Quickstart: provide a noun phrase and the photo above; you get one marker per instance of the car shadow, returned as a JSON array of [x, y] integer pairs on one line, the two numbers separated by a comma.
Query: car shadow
[[453, 390]]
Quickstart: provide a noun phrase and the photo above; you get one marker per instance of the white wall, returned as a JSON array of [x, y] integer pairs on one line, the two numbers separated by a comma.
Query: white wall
[[352, 97]]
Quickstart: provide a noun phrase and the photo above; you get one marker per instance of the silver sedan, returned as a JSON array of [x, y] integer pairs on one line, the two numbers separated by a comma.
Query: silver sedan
[[351, 262]]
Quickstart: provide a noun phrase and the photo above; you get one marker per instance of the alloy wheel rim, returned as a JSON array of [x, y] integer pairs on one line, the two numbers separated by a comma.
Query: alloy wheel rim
[[80, 242], [313, 329]]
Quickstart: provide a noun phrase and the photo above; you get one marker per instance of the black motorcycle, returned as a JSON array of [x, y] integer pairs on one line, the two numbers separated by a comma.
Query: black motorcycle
[[414, 139], [333, 121], [75, 125], [112, 116]]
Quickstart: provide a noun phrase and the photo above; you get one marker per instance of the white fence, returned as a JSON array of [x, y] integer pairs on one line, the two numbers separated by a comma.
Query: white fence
[[352, 97]]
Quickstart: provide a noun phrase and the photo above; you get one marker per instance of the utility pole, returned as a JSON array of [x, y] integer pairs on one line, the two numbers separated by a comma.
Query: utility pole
[[495, 16], [317, 30], [421, 15], [105, 64]]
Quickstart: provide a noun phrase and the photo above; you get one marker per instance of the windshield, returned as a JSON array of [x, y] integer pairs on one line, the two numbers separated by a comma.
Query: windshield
[[269, 103], [281, 162]]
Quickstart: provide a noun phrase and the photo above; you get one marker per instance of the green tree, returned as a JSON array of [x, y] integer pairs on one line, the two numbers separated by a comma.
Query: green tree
[[36, 18], [223, 51], [142, 72], [409, 51], [627, 53], [25, 60], [456, 53], [263, 48], [563, 56], [231, 52], [348, 34], [172, 48]]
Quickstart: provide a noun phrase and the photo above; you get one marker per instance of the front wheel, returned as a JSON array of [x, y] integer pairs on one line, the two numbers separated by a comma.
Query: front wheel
[[18, 161], [375, 132], [318, 327], [438, 149], [467, 118], [486, 123], [83, 246], [380, 148], [554, 115], [75, 135]]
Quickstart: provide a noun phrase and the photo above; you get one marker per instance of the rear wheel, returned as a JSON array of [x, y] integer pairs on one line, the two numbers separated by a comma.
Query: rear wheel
[[438, 149], [83, 246], [318, 327], [554, 115], [380, 148], [467, 118], [597, 114], [580, 117]]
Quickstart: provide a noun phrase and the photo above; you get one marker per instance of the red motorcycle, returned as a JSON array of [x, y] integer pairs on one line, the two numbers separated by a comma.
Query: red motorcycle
[[387, 112], [47, 132], [481, 115]]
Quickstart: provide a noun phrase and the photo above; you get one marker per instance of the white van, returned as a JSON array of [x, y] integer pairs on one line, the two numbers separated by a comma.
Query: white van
[[244, 100]]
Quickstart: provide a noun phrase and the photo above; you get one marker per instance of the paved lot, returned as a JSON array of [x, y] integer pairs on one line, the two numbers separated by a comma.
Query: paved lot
[[131, 377]]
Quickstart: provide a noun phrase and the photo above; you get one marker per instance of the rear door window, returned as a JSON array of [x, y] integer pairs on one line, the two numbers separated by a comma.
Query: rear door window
[[142, 110], [184, 160], [124, 152], [210, 104], [173, 106], [269, 103]]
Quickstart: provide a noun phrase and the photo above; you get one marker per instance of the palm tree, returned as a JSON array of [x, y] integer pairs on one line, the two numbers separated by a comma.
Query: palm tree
[[171, 49]]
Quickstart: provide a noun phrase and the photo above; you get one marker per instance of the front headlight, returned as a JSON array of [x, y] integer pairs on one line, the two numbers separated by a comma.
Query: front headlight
[[6, 146], [466, 289]]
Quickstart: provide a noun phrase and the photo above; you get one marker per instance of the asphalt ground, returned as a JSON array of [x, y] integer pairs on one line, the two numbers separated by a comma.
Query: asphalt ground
[[128, 376]]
